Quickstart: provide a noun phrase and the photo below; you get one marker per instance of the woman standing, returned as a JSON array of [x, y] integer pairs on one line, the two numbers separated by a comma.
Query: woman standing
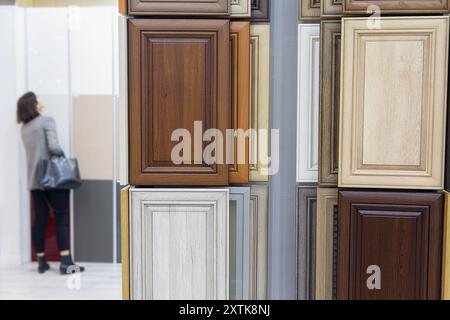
[[41, 143]]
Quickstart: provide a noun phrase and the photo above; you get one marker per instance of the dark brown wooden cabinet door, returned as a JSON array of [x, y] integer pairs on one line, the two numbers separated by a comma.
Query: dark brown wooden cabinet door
[[179, 75], [401, 233], [260, 10], [179, 7], [396, 6]]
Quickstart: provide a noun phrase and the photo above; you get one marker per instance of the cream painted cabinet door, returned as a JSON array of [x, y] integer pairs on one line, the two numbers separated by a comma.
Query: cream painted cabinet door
[[179, 244], [259, 101], [241, 8], [393, 102], [308, 102]]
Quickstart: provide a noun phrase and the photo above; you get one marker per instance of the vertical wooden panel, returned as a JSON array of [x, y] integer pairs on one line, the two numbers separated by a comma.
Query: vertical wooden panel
[[331, 8], [123, 7], [330, 61], [259, 99], [260, 10], [326, 243], [240, 8], [309, 9], [125, 237], [308, 102], [240, 97], [446, 251]]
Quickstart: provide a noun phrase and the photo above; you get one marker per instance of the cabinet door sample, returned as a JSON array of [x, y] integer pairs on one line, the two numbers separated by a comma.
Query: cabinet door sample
[[259, 100], [123, 7], [326, 243], [309, 9], [125, 241], [179, 80], [306, 242], [392, 121], [260, 10], [179, 7], [395, 237], [240, 100], [308, 102], [239, 227], [330, 61], [241, 8], [396, 6], [259, 250], [179, 244], [331, 8], [446, 251]]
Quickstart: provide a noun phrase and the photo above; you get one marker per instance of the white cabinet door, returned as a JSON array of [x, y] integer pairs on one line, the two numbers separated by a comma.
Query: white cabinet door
[[308, 103], [179, 244]]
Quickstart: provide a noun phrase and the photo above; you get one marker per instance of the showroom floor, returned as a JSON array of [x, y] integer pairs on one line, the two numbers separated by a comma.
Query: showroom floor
[[100, 281]]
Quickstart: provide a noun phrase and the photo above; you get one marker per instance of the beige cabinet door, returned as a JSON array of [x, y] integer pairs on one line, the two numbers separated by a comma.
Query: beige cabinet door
[[393, 102]]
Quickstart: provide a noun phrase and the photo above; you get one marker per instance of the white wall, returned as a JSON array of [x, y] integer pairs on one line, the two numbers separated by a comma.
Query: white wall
[[10, 198]]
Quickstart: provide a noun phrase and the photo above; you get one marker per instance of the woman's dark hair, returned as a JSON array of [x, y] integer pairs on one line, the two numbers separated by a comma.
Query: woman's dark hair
[[27, 108]]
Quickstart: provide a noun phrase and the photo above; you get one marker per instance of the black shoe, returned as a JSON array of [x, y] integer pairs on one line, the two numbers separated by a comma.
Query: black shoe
[[42, 264], [68, 266]]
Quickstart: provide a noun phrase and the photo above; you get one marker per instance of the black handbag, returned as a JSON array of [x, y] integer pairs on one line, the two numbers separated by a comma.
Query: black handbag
[[59, 173]]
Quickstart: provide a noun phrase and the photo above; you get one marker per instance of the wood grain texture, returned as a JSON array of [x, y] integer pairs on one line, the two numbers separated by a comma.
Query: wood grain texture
[[330, 76], [179, 244], [446, 250], [240, 97], [259, 100], [260, 10], [396, 6], [240, 8], [308, 102], [180, 7], [327, 202], [401, 233], [392, 121], [259, 242], [309, 9], [166, 57], [330, 8], [306, 242], [125, 241]]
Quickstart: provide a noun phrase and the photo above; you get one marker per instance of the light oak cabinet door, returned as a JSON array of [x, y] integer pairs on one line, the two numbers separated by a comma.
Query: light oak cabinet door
[[179, 7], [330, 77], [309, 9], [393, 103], [331, 8], [240, 99], [446, 251], [179, 79], [396, 6], [241, 8], [259, 100], [179, 244], [326, 243], [308, 102], [395, 237], [306, 242], [260, 10]]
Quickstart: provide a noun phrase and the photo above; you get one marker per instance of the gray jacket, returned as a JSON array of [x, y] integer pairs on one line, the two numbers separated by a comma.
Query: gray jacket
[[41, 142]]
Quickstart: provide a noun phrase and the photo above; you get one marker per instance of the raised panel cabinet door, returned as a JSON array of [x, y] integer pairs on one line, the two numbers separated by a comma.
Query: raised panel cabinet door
[[259, 101], [331, 8], [240, 101], [446, 251], [326, 243], [179, 89], [260, 10], [393, 115], [241, 8], [395, 6], [179, 244], [330, 77], [239, 227], [259, 249], [179, 7], [306, 241], [308, 102], [390, 245], [309, 9]]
